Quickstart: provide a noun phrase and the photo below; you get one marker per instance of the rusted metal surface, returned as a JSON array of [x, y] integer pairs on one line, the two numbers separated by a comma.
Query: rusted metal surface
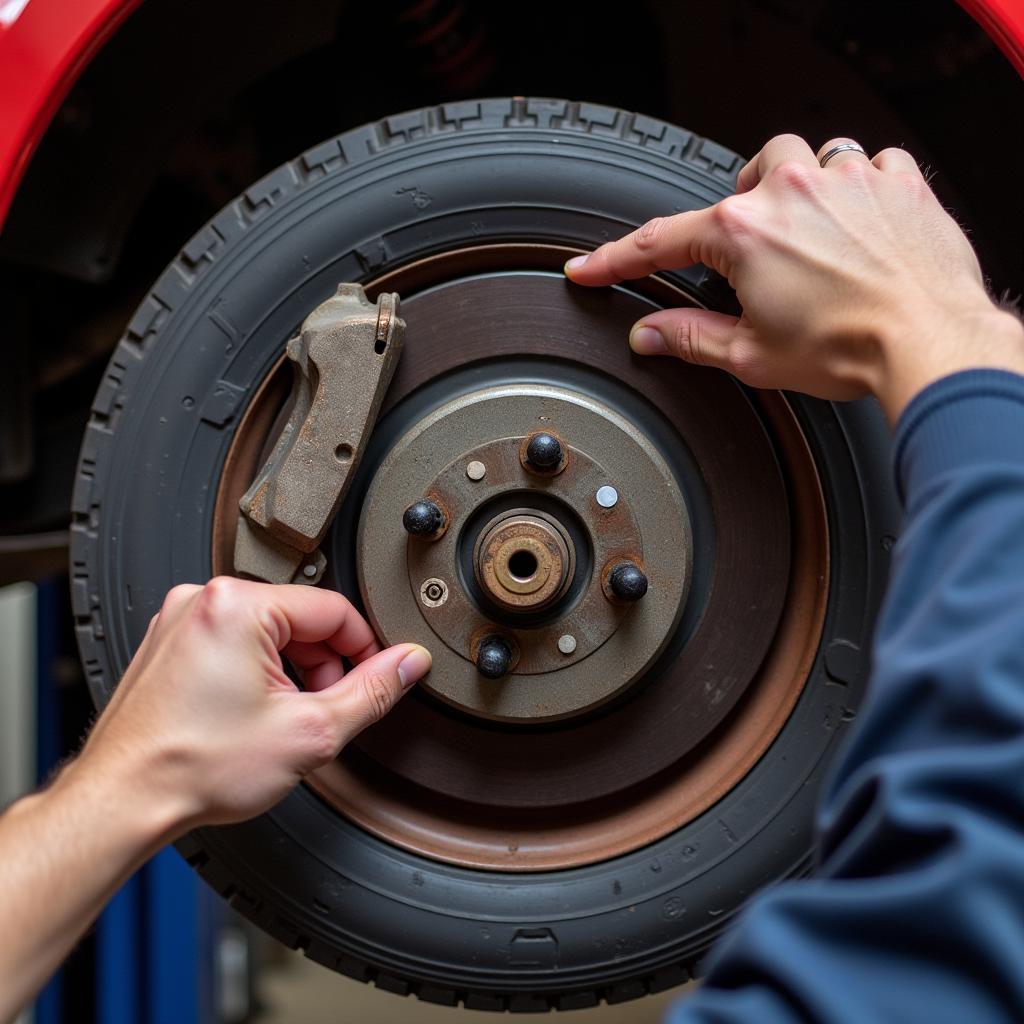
[[486, 635], [552, 455], [615, 642], [524, 560], [594, 787], [343, 361], [617, 565]]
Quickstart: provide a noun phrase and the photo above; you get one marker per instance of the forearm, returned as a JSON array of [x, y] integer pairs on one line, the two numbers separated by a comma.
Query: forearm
[[64, 852], [918, 908]]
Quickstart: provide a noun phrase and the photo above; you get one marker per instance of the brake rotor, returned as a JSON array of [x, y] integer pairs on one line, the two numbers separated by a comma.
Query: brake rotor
[[704, 694]]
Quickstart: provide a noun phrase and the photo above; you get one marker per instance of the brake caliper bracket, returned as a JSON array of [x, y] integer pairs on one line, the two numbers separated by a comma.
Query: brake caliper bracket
[[342, 362]]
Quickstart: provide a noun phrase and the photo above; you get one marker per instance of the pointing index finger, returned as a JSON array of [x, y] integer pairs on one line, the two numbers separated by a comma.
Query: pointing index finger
[[664, 243]]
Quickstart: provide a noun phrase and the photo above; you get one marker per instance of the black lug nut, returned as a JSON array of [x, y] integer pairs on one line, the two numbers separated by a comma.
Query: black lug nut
[[544, 451], [627, 581], [423, 518], [493, 658]]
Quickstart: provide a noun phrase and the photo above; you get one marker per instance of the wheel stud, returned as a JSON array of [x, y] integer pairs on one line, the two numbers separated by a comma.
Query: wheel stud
[[544, 452], [424, 518], [493, 658], [627, 581]]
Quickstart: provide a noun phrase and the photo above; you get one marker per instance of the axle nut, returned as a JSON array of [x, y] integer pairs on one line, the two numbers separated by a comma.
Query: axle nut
[[493, 658], [424, 518], [544, 451], [627, 581]]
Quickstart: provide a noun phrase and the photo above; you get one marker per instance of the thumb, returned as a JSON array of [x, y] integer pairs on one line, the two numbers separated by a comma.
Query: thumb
[[373, 687], [695, 335]]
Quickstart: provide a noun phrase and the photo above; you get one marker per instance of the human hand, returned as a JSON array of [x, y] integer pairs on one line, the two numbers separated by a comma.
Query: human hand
[[852, 279], [205, 721]]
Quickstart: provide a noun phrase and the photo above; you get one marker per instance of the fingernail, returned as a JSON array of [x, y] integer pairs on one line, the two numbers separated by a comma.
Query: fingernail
[[414, 666], [647, 341], [576, 262]]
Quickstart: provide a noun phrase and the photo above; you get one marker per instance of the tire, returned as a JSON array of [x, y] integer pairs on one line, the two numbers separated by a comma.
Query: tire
[[360, 204]]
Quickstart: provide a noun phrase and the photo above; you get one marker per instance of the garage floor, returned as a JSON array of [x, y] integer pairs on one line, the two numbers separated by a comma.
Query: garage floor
[[297, 989]]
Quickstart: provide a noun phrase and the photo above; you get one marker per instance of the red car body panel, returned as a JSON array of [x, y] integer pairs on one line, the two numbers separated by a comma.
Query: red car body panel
[[45, 44]]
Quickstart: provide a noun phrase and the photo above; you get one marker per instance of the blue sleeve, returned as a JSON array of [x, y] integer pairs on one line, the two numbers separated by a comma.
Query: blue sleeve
[[916, 912]]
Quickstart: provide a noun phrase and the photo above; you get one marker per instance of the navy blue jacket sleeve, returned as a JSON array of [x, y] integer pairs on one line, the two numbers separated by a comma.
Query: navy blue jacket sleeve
[[916, 912]]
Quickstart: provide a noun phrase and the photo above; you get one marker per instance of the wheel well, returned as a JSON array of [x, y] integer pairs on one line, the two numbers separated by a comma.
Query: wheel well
[[190, 102]]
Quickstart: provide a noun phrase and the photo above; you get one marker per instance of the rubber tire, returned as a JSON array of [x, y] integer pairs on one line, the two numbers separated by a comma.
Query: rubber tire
[[373, 198]]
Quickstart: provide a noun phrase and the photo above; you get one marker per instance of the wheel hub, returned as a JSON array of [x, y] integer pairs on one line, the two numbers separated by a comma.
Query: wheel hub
[[525, 555], [524, 560]]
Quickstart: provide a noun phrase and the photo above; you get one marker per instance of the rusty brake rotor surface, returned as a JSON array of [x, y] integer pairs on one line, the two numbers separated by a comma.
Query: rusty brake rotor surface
[[568, 758]]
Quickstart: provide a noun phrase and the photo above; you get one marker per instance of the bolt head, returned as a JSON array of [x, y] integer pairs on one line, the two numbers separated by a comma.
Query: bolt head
[[476, 470], [493, 658], [627, 582], [544, 451], [607, 496], [423, 518]]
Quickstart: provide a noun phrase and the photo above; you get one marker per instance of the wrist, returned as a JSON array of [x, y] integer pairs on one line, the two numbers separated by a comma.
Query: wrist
[[921, 347], [130, 789]]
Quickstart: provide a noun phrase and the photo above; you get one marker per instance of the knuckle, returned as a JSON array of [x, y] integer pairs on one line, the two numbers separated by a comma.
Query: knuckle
[[647, 235], [177, 596], [787, 139], [893, 153], [377, 695], [731, 217], [222, 585], [219, 596], [795, 176], [686, 341], [903, 155], [857, 171], [913, 184]]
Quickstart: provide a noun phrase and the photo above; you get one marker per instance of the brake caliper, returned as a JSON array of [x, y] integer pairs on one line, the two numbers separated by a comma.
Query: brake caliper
[[342, 361]]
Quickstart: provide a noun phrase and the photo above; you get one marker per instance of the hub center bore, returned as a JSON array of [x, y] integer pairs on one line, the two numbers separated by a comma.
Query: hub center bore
[[524, 561]]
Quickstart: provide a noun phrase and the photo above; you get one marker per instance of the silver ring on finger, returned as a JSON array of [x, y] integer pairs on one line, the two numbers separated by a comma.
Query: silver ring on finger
[[843, 147]]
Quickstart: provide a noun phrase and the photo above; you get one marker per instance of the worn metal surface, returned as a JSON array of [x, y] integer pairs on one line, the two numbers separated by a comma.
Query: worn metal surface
[[592, 787], [524, 560], [343, 361], [615, 642], [543, 452]]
